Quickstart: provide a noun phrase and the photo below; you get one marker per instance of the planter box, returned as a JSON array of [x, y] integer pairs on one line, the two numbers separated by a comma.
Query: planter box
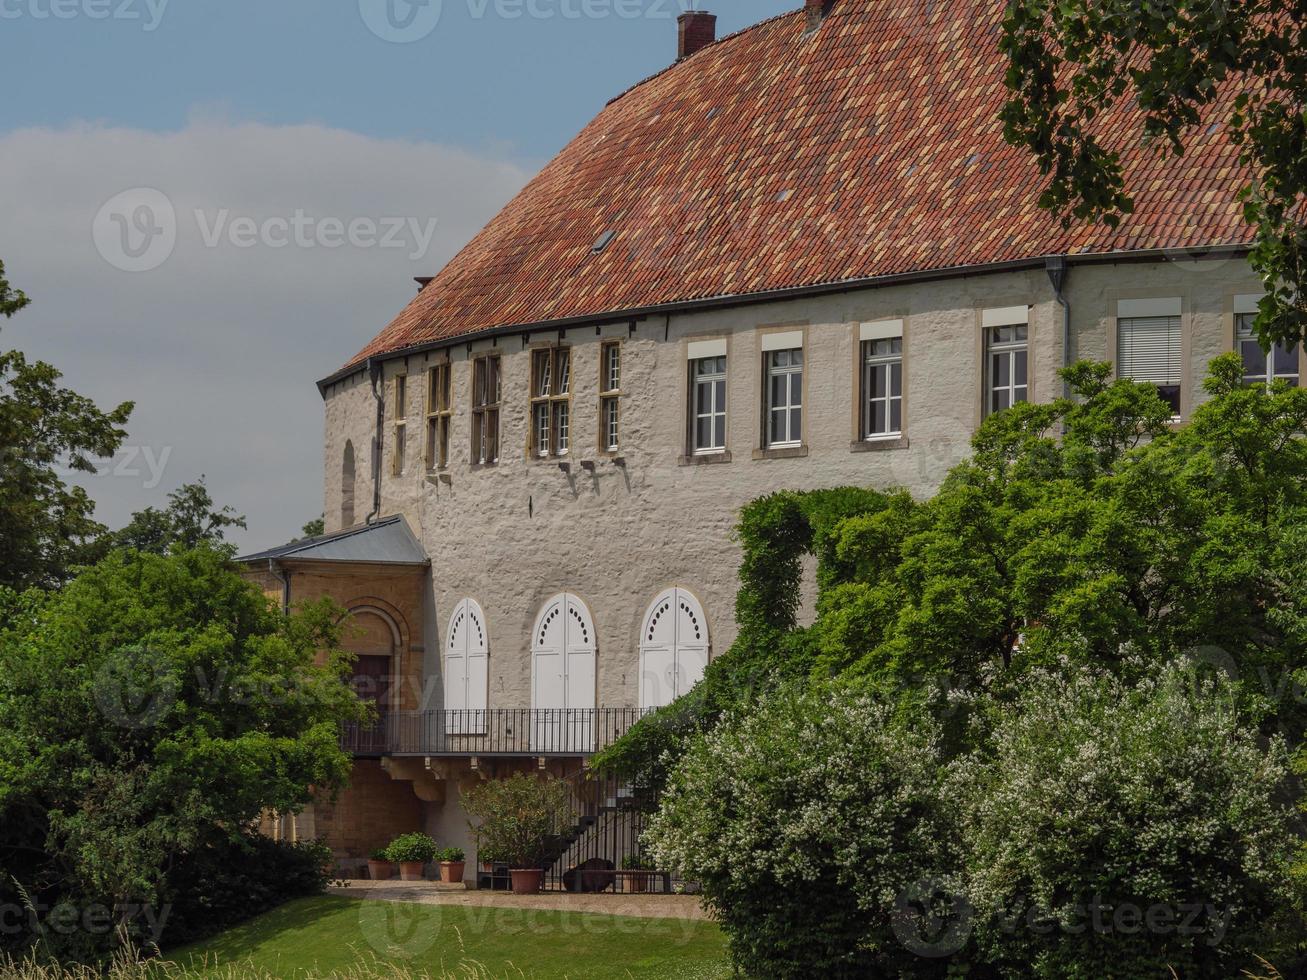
[[411, 870], [452, 871], [527, 881]]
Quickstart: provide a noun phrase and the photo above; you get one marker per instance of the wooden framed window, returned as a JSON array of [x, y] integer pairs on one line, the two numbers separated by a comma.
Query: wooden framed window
[[551, 401], [1007, 362], [399, 425], [439, 413], [486, 390], [882, 388], [784, 398], [708, 405], [1148, 350], [610, 397], [1260, 366]]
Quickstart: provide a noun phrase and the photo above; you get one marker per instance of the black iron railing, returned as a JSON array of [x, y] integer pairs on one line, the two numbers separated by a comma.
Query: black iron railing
[[494, 731]]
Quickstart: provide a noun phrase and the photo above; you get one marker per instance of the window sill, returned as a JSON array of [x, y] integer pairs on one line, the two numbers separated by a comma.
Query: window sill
[[703, 459], [879, 445], [493, 464], [781, 452]]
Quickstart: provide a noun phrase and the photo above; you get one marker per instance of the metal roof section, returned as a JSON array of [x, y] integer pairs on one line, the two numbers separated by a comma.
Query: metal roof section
[[389, 541]]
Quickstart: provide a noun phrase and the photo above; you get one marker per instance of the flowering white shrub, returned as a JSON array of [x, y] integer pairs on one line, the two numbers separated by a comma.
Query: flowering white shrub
[[1118, 831], [806, 822]]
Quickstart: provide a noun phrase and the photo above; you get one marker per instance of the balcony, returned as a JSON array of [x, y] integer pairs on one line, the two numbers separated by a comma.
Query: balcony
[[491, 732]]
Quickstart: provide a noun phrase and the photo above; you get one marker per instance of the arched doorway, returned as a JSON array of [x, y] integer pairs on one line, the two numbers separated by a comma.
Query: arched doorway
[[674, 647], [563, 676], [373, 638], [467, 670]]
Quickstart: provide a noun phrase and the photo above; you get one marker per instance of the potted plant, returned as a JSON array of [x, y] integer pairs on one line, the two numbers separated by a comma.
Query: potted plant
[[640, 869], [452, 865], [517, 820], [380, 867], [411, 852]]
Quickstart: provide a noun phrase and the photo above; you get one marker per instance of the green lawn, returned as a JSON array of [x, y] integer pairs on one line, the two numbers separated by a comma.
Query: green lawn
[[319, 936]]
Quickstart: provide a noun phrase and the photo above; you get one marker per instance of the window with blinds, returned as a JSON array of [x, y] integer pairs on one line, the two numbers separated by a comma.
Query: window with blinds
[[1148, 350]]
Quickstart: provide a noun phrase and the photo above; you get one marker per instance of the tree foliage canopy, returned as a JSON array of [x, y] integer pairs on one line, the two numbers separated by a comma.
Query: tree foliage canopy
[[46, 527], [1184, 64], [151, 709]]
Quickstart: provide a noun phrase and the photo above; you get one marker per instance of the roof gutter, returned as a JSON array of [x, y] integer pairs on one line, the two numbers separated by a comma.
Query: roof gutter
[[768, 296]]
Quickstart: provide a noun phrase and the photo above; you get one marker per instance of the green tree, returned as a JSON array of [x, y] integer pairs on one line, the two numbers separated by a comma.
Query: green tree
[[46, 526], [189, 521], [314, 528], [151, 710], [1182, 64]]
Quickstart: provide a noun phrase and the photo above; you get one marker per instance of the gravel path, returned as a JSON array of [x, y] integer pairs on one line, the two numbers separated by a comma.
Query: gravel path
[[431, 893]]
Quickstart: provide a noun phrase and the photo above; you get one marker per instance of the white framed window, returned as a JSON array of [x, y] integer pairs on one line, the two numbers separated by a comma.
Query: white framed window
[[708, 404], [400, 436], [439, 414], [1148, 346], [1260, 366], [486, 392], [610, 396], [882, 388], [551, 401], [1007, 364], [784, 369]]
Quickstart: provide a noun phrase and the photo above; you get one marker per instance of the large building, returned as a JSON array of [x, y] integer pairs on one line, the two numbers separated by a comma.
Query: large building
[[802, 256]]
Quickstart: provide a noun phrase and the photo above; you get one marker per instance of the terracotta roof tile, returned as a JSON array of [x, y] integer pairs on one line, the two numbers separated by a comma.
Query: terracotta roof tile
[[774, 159]]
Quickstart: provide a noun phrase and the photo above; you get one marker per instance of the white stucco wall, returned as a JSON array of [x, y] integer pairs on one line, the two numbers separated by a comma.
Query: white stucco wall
[[513, 535]]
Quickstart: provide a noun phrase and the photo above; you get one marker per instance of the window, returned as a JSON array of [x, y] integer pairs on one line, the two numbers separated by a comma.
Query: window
[[784, 398], [610, 400], [347, 486], [882, 388], [1148, 351], [1006, 365], [400, 425], [439, 380], [1259, 366], [551, 404], [485, 409], [708, 397]]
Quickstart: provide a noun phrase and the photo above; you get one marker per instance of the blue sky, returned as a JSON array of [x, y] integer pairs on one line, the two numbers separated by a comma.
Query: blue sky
[[488, 75], [222, 115]]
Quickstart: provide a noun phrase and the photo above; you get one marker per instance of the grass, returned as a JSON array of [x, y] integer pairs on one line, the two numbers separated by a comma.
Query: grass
[[332, 935]]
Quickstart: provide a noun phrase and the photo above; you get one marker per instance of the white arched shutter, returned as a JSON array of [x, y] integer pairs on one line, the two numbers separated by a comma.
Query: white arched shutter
[[674, 648], [467, 670], [563, 676]]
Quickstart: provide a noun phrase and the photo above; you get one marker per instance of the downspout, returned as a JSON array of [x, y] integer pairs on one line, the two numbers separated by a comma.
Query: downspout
[[374, 373], [1056, 267], [283, 577]]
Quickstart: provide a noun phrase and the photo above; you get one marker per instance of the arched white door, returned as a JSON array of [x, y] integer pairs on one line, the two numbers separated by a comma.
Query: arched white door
[[563, 676], [673, 648], [467, 670]]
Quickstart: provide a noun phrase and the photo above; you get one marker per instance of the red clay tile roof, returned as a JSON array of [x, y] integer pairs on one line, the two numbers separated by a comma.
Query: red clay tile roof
[[772, 160]]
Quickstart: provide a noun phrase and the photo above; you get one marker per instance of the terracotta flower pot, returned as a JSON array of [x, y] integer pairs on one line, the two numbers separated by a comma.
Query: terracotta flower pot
[[452, 871], [380, 870], [527, 881], [411, 870]]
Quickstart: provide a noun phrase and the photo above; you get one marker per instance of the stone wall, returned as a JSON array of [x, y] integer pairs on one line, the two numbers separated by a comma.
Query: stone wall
[[515, 534]]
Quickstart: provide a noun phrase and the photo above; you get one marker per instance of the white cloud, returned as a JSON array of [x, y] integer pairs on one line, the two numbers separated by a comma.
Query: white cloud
[[220, 344]]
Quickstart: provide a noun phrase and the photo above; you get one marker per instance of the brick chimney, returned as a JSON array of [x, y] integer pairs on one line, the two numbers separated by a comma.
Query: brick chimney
[[698, 29], [816, 11]]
